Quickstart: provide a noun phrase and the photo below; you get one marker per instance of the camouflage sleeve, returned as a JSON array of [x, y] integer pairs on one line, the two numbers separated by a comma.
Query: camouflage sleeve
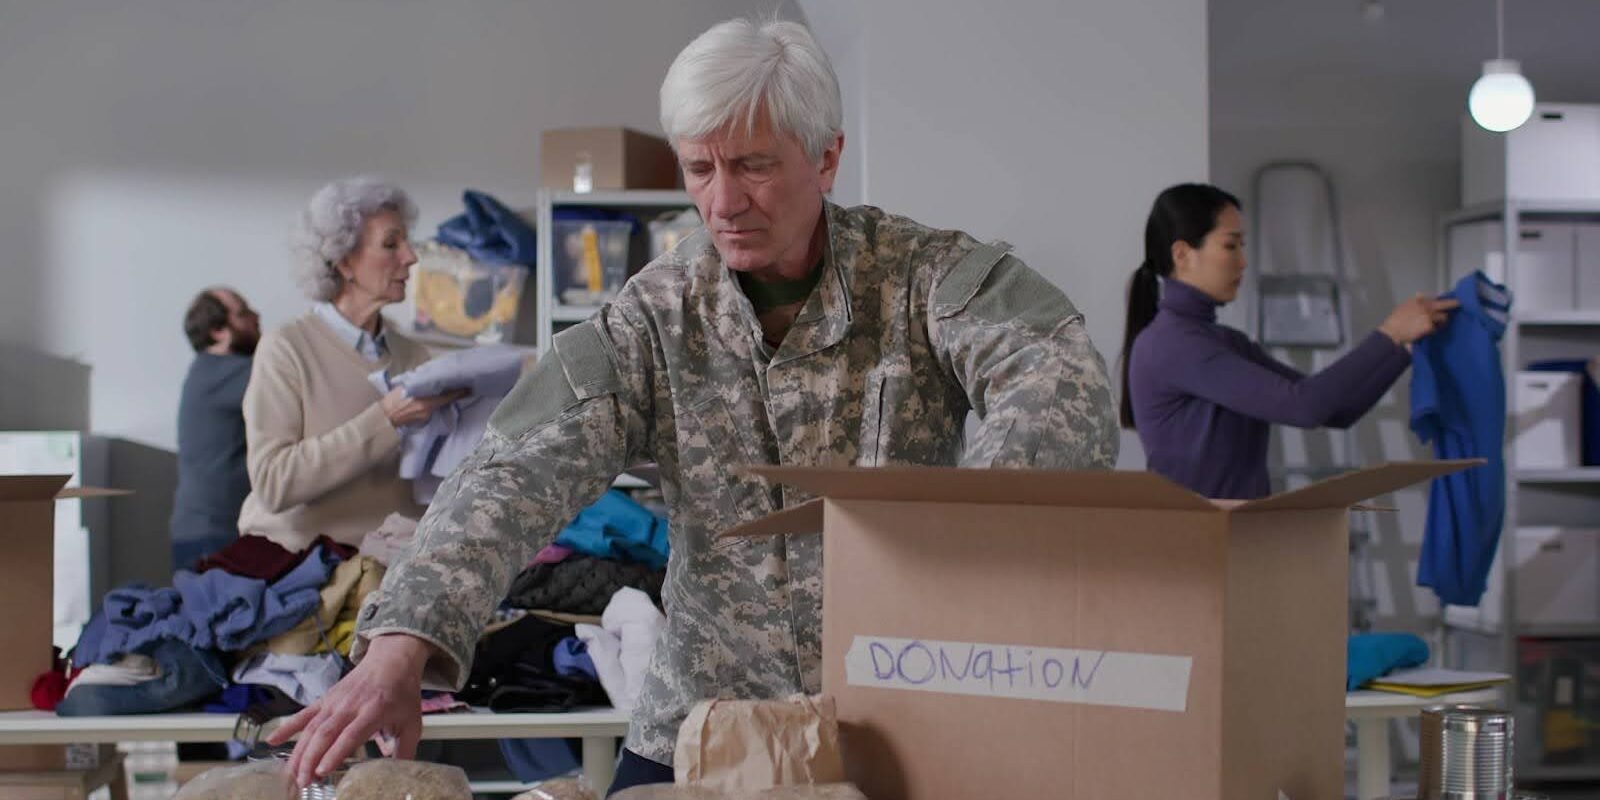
[[1020, 352], [570, 426]]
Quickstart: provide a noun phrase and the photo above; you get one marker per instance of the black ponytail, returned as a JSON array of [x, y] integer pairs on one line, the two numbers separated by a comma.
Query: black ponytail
[[1186, 212]]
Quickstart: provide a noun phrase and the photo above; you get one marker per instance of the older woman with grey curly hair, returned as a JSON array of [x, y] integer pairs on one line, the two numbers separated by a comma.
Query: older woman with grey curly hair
[[323, 445]]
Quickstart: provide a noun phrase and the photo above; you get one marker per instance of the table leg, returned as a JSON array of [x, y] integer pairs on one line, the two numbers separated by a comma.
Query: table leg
[[599, 762], [1373, 770]]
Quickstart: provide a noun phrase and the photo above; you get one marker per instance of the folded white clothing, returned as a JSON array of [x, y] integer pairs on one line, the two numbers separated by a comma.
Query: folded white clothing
[[621, 646], [303, 678], [130, 670]]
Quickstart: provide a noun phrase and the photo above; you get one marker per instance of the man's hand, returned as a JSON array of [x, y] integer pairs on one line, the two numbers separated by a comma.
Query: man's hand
[[402, 410], [381, 695]]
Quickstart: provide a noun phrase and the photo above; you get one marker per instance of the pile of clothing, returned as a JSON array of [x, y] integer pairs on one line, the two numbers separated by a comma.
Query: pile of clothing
[[252, 626], [608, 565]]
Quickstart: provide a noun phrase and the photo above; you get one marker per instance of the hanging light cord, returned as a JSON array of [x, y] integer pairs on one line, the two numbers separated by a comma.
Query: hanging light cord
[[1500, 29]]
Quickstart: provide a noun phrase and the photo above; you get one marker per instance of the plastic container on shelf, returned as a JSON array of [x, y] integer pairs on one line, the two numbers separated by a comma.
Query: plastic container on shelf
[[590, 259], [459, 297], [667, 230]]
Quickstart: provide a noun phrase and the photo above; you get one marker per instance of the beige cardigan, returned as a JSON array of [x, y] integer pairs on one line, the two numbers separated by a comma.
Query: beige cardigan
[[322, 455]]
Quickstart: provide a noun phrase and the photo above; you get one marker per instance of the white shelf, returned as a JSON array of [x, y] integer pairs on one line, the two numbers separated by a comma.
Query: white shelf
[[1571, 630], [438, 340], [565, 313], [1553, 773], [633, 197], [1579, 475], [1558, 318], [1496, 209]]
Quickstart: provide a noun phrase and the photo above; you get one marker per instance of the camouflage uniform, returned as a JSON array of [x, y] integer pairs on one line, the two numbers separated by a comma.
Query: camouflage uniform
[[908, 329]]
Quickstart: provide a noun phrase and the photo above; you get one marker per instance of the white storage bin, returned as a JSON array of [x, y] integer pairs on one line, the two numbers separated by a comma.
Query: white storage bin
[[1558, 580], [1555, 155], [1588, 265], [1546, 426], [1544, 278]]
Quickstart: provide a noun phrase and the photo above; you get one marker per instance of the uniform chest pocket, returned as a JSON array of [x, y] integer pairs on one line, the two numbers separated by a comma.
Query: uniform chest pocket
[[885, 420], [711, 453]]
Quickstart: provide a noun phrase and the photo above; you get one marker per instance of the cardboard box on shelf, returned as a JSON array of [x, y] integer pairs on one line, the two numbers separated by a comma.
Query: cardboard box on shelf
[[1083, 634], [617, 158], [27, 586]]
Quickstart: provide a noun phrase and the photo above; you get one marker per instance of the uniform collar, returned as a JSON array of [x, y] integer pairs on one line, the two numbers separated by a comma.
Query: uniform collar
[[825, 318]]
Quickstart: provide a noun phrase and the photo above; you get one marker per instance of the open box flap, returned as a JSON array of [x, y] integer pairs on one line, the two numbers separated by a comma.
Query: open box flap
[[1082, 489], [1344, 491], [15, 488], [803, 518]]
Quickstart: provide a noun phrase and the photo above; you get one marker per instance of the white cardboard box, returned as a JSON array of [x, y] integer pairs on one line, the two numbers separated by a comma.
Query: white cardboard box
[[1558, 580], [1587, 265], [1555, 155], [1546, 430]]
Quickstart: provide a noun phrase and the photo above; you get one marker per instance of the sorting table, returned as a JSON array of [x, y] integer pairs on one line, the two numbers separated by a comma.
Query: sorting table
[[1371, 712], [599, 728]]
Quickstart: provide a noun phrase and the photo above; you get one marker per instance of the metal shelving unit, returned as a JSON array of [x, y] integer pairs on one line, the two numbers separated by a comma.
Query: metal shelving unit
[[552, 315], [1533, 496]]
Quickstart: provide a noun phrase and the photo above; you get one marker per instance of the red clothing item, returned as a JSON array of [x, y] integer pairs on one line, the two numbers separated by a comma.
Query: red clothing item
[[50, 687], [259, 557]]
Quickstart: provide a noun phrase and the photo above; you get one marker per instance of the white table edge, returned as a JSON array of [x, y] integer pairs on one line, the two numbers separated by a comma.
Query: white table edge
[[599, 728]]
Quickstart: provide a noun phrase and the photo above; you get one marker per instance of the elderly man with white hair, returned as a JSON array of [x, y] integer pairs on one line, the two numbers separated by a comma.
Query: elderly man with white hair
[[787, 331]]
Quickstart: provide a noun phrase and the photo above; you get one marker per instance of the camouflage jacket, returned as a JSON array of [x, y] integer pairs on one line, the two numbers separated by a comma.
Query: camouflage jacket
[[908, 329]]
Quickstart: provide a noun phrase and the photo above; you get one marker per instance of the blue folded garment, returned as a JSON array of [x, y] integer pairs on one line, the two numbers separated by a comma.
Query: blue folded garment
[[210, 610], [617, 528], [489, 232], [1373, 655]]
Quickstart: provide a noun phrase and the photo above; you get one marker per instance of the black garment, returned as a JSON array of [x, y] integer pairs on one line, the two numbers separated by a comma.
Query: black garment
[[212, 479], [581, 584], [636, 770], [514, 670]]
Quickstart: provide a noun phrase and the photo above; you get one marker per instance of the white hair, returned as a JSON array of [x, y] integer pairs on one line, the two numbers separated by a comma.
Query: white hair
[[744, 68], [330, 228]]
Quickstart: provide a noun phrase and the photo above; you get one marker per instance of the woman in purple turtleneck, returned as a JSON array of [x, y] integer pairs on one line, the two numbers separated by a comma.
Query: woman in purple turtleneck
[[1202, 395]]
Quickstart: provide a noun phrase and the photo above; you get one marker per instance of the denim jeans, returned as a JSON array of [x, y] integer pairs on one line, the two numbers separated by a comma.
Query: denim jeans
[[187, 677]]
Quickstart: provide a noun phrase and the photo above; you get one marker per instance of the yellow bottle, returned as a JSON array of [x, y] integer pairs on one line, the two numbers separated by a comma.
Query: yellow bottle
[[591, 260]]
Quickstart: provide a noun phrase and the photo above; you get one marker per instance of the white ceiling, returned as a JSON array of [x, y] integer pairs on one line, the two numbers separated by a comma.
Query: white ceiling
[[1419, 59]]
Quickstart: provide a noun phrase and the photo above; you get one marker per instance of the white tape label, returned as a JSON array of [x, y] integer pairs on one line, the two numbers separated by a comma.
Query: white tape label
[[1091, 677]]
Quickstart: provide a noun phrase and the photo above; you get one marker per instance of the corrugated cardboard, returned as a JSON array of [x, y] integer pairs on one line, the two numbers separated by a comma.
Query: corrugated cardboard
[[27, 577], [1254, 594], [622, 158]]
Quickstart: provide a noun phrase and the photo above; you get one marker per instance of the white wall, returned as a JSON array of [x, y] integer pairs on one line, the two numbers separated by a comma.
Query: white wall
[[1047, 124], [151, 148]]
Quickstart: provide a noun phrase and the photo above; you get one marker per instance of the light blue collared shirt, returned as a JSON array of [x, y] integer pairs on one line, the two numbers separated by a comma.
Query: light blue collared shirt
[[372, 348]]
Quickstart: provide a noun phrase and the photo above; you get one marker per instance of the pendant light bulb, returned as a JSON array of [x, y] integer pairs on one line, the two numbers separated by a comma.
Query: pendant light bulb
[[1502, 99]]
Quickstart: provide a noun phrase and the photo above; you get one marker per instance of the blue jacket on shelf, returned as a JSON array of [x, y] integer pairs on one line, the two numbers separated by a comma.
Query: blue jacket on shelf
[[1458, 403]]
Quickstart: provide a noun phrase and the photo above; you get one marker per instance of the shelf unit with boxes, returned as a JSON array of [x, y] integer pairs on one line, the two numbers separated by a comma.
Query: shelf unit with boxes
[[1530, 219], [1542, 607], [576, 255]]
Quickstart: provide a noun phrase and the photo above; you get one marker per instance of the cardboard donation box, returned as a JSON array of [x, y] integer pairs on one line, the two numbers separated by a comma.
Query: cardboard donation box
[[27, 577], [598, 159], [1084, 635]]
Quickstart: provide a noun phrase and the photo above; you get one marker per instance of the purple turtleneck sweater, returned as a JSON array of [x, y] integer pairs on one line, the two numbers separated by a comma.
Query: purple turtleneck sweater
[[1204, 395]]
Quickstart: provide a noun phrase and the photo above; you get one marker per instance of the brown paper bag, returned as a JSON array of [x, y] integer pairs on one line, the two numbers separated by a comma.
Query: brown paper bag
[[831, 791], [749, 745]]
